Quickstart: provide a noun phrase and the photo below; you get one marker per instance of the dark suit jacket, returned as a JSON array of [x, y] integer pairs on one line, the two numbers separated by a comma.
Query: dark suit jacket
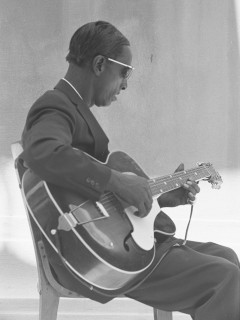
[[58, 122]]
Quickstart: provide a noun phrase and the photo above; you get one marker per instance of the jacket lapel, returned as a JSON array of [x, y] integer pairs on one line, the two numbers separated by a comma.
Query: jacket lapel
[[100, 138]]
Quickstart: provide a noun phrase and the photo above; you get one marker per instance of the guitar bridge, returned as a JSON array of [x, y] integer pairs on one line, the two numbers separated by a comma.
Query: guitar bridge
[[87, 212], [101, 209], [82, 214]]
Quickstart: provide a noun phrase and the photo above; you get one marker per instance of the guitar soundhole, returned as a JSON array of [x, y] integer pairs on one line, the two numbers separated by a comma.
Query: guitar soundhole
[[126, 245]]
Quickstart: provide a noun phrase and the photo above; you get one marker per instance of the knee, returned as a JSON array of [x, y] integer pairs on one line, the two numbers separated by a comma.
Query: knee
[[229, 272], [226, 253], [232, 256]]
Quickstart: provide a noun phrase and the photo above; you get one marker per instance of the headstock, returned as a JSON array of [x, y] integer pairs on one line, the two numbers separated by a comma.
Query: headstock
[[214, 177]]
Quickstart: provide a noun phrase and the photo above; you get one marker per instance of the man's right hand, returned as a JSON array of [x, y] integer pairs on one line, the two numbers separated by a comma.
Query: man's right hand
[[132, 189]]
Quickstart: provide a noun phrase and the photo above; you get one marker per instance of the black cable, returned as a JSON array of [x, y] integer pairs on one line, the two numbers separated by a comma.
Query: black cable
[[188, 225]]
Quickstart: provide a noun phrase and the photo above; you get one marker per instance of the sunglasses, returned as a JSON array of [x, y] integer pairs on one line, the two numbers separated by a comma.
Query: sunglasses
[[126, 72]]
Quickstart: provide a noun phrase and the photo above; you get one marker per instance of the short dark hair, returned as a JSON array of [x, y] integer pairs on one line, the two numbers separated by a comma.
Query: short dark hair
[[95, 38]]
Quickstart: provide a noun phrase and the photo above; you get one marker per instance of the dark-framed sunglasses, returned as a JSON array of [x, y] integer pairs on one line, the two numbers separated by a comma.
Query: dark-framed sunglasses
[[127, 71]]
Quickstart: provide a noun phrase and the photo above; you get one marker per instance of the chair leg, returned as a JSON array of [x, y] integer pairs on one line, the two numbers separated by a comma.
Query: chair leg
[[162, 315], [48, 303], [48, 297]]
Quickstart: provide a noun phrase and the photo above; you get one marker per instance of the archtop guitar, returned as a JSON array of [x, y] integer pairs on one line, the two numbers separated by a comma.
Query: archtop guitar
[[104, 242]]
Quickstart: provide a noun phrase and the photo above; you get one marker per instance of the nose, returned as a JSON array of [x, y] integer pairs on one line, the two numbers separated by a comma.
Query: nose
[[124, 84]]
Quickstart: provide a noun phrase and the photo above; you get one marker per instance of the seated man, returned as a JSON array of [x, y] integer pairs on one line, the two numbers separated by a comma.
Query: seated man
[[200, 279]]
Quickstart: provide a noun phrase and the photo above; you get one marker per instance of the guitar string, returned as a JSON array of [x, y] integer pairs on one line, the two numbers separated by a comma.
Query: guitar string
[[180, 173], [107, 200], [109, 197], [171, 179]]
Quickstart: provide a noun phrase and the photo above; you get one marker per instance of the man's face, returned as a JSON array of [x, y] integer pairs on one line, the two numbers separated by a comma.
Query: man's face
[[113, 78]]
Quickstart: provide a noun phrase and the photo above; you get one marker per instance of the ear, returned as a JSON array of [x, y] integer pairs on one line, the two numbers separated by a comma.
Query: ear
[[99, 64]]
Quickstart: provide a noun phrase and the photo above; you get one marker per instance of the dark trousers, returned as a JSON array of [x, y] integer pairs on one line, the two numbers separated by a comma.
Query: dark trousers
[[200, 279]]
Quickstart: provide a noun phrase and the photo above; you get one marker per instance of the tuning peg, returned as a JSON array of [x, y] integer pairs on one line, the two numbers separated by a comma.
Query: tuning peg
[[216, 185], [206, 164]]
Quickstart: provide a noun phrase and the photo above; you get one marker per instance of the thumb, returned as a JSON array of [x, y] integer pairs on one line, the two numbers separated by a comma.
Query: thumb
[[180, 167]]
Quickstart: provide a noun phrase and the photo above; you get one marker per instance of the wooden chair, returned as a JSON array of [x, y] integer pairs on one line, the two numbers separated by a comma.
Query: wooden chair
[[50, 291]]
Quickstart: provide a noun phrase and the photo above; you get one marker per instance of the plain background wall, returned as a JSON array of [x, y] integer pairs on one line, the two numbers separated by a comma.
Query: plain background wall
[[181, 105], [182, 100]]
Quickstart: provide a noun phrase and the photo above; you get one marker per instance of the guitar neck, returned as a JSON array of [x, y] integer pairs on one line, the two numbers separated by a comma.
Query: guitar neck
[[176, 180]]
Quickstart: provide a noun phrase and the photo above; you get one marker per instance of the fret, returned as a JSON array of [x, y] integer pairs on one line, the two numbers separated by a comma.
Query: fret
[[176, 180]]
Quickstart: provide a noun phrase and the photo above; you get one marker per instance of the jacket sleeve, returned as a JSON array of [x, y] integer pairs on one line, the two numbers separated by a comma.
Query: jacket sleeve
[[47, 144]]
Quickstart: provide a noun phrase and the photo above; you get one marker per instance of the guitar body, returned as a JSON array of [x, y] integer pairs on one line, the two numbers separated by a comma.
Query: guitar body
[[94, 239]]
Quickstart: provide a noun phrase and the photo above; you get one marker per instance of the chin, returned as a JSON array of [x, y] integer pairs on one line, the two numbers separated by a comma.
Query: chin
[[104, 104]]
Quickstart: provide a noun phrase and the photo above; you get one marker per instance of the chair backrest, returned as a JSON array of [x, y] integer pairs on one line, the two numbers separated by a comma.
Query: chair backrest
[[45, 275], [17, 149]]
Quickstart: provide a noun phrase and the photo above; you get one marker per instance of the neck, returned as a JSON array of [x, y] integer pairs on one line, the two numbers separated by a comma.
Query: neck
[[80, 80], [174, 181]]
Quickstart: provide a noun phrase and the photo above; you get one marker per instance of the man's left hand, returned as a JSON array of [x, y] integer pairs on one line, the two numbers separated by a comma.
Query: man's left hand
[[184, 195]]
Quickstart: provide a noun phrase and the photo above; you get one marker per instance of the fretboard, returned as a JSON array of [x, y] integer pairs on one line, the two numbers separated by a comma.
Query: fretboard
[[176, 180]]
